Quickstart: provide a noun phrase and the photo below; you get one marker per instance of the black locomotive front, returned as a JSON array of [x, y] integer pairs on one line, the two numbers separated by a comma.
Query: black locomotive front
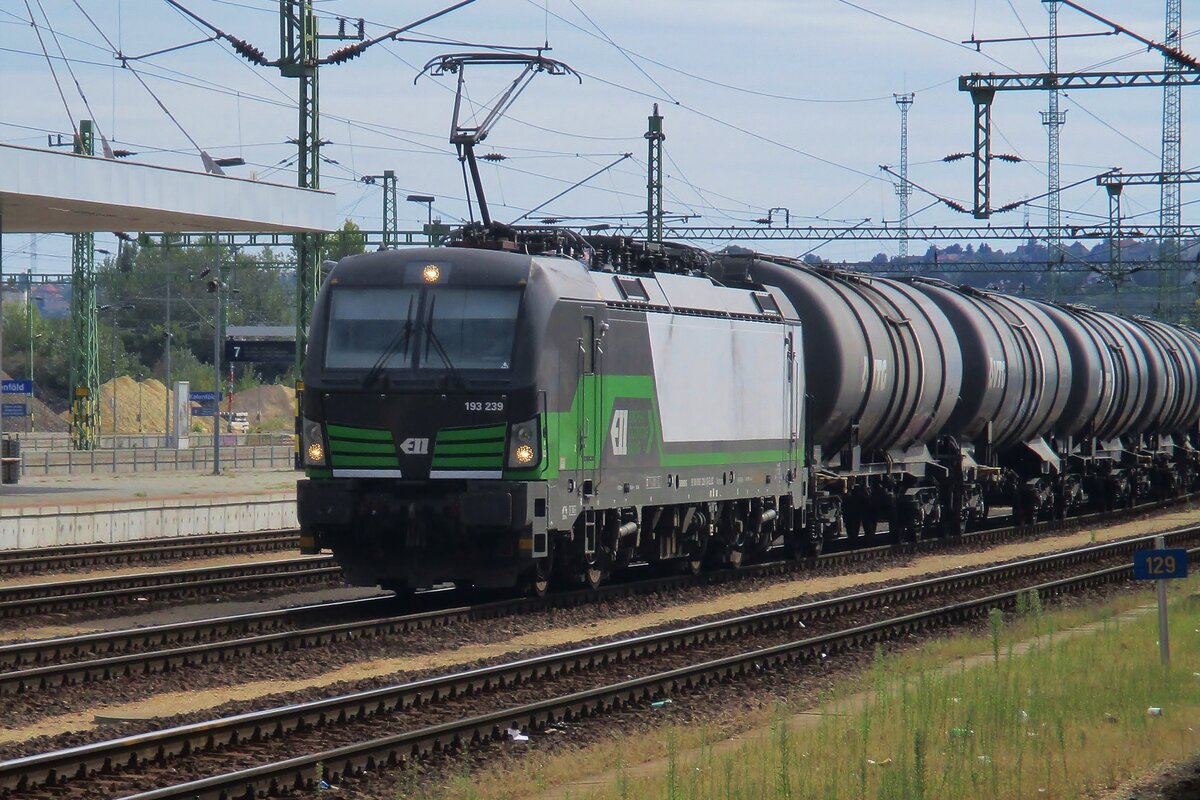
[[420, 421]]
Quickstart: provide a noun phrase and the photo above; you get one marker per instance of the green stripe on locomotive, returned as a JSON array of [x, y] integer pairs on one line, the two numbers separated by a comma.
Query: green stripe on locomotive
[[560, 435], [353, 447], [477, 448]]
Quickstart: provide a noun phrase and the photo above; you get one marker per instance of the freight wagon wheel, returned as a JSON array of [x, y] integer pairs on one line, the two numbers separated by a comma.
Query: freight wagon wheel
[[538, 582], [869, 524], [697, 555], [593, 576]]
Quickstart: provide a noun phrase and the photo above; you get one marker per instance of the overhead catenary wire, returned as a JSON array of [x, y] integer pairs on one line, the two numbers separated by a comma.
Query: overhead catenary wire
[[679, 174], [209, 164], [53, 73], [108, 153], [573, 186], [742, 89]]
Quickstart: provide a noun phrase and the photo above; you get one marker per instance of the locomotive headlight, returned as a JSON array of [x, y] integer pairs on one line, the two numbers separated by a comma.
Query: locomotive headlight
[[524, 447], [313, 444], [431, 273]]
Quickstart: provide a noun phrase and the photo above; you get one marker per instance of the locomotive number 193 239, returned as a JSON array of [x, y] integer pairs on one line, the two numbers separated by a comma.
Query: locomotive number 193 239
[[484, 405]]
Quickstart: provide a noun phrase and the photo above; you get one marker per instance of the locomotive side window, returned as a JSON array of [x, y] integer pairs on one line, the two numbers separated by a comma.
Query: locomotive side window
[[632, 289], [766, 303]]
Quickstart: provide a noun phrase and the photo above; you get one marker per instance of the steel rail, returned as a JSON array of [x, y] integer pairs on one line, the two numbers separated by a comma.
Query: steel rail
[[86, 658], [40, 652], [127, 752], [44, 559], [42, 598], [303, 773]]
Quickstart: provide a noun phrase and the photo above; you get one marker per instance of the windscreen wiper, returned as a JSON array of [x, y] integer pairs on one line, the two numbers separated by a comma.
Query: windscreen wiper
[[398, 343], [432, 338]]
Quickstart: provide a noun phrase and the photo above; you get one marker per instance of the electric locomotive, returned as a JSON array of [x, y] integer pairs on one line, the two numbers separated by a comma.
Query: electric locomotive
[[493, 418]]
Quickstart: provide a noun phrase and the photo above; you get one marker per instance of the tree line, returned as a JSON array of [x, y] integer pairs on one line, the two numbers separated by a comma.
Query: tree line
[[132, 290]]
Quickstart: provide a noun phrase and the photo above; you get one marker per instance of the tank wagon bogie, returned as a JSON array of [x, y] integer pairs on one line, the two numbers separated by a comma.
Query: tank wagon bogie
[[549, 409]]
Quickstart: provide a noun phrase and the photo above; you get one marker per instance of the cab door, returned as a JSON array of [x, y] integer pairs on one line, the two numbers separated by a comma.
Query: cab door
[[590, 417], [793, 391]]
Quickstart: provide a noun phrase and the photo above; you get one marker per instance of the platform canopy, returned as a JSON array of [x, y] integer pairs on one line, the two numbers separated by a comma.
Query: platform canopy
[[48, 191]]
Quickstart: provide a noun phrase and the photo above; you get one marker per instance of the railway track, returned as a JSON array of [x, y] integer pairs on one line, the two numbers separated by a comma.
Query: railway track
[[95, 657], [546, 689], [61, 596], [52, 559]]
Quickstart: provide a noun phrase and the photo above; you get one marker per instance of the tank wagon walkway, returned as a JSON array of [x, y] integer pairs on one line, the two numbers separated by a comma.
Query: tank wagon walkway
[[54, 511]]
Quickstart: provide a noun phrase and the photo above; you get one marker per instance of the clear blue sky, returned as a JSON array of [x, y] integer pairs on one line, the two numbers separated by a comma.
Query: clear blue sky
[[767, 104]]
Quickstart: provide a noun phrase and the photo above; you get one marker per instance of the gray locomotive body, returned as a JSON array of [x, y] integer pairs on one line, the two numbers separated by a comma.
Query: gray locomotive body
[[494, 418]]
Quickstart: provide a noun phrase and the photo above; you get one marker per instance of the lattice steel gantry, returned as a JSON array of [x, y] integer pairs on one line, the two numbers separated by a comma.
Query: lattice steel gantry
[[1169, 280], [904, 189], [654, 177], [1053, 119], [85, 346]]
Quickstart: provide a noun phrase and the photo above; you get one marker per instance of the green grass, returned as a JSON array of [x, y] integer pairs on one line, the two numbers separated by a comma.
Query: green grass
[[1062, 718]]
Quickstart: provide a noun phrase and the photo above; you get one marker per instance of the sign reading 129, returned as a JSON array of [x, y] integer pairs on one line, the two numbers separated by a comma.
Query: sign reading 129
[[1154, 565]]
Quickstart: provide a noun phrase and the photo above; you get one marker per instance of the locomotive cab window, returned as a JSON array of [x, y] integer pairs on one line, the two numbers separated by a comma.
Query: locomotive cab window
[[422, 328]]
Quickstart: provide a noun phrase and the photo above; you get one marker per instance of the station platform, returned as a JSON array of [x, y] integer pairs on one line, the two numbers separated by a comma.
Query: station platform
[[47, 511]]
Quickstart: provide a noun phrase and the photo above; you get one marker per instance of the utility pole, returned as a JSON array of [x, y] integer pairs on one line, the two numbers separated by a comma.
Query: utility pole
[[1053, 119], [214, 286], [904, 188], [654, 177], [390, 219], [1169, 246], [1114, 182], [29, 421], [298, 59], [85, 347], [1181, 70], [1114, 230], [168, 341]]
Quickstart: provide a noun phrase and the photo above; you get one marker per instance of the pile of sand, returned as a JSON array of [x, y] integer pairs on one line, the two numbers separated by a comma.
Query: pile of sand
[[141, 407], [269, 408]]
